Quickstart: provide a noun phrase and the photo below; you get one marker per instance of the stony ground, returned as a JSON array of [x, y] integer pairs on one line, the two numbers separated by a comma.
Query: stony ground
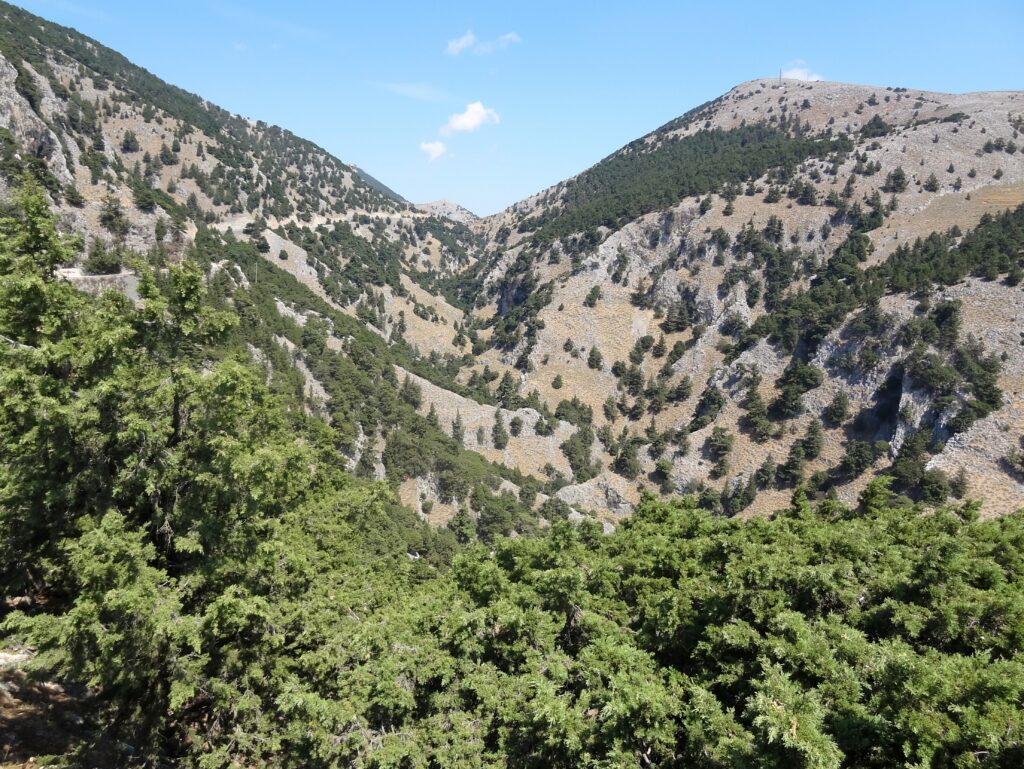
[[38, 718]]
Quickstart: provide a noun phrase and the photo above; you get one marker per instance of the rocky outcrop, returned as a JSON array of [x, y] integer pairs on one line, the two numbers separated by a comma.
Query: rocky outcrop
[[25, 124], [606, 493], [529, 452], [449, 210], [124, 282]]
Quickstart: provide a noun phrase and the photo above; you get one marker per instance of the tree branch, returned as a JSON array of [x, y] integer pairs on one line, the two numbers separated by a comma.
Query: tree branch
[[14, 343]]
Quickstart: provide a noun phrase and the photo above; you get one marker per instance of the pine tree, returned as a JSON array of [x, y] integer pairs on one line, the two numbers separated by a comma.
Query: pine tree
[[130, 142], [792, 472], [660, 348], [458, 429], [499, 435], [765, 475], [814, 440], [508, 392], [896, 181], [838, 410], [756, 420], [112, 216], [411, 392]]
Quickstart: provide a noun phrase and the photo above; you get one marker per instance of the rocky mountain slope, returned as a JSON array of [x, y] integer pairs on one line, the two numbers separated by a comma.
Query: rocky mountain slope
[[615, 265], [133, 161], [731, 306]]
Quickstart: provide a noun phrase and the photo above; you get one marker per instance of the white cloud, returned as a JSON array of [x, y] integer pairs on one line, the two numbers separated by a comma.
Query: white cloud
[[470, 119], [459, 44], [239, 47], [434, 150], [470, 42], [418, 91], [490, 46], [798, 70]]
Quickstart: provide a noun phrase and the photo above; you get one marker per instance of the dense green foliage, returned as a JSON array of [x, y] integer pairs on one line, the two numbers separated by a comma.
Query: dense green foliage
[[645, 178]]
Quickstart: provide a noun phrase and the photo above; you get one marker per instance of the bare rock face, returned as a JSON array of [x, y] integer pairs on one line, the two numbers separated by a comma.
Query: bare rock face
[[124, 282], [604, 493], [27, 128], [530, 451], [913, 405]]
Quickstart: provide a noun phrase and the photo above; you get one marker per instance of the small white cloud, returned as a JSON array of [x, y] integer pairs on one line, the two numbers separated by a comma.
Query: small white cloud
[[239, 47], [418, 91], [798, 70], [434, 150], [470, 42], [459, 44], [470, 119], [490, 46]]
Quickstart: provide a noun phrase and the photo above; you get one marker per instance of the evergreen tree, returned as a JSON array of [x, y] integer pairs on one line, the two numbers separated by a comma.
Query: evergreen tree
[[756, 421], [896, 181], [814, 440], [458, 429], [791, 473], [765, 475], [627, 462], [112, 217], [660, 348], [130, 142], [838, 410], [411, 392], [508, 392], [499, 435]]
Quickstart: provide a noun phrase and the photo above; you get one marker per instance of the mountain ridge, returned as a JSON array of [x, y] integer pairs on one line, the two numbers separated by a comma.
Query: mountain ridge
[[889, 103], [654, 226]]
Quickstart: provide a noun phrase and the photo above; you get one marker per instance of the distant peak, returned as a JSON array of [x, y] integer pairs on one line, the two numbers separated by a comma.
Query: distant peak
[[449, 209]]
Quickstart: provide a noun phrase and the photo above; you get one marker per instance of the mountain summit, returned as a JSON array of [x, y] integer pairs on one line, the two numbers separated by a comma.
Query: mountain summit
[[449, 209]]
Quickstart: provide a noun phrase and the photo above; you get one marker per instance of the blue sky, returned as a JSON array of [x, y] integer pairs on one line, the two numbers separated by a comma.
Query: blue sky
[[488, 103]]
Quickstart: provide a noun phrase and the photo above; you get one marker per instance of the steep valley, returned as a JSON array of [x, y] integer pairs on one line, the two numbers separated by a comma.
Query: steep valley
[[567, 297]]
